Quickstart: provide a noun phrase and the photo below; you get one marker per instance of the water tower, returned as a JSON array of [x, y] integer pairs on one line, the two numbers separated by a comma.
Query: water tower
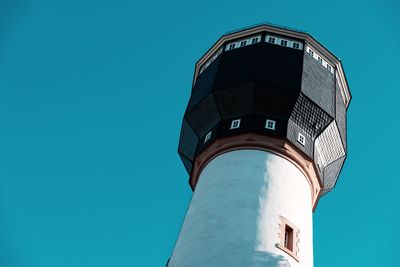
[[263, 138]]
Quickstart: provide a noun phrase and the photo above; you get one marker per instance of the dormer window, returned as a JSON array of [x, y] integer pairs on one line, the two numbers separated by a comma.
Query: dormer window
[[232, 46], [301, 139], [296, 45], [319, 59], [311, 52], [254, 40], [271, 40], [283, 42], [329, 67], [235, 124], [270, 124], [243, 43]]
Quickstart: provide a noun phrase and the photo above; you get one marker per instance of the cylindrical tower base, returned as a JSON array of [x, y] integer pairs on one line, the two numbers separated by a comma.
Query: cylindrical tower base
[[250, 208]]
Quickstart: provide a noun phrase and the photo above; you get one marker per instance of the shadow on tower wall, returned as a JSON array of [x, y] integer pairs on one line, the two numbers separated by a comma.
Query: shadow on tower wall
[[262, 259]]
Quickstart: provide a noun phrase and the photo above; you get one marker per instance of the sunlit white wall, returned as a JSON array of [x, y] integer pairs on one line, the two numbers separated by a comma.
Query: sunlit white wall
[[233, 217]]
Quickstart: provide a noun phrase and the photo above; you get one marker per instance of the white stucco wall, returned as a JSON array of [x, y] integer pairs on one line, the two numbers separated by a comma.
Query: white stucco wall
[[233, 217]]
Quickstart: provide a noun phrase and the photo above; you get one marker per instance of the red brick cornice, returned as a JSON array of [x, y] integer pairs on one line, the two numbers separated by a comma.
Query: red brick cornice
[[277, 146]]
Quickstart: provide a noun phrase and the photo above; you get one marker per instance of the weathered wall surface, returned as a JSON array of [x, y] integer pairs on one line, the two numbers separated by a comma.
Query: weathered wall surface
[[233, 218]]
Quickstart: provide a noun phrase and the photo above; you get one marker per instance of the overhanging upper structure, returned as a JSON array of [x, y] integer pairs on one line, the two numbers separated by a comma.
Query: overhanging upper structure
[[276, 83]]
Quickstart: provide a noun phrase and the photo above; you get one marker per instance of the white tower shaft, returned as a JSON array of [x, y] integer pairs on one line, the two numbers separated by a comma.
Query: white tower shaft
[[250, 208]]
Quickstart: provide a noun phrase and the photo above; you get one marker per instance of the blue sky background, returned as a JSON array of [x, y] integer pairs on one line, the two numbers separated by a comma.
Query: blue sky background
[[92, 94]]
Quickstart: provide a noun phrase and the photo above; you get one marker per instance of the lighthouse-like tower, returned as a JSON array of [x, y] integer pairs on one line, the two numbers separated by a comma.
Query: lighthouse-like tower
[[263, 138]]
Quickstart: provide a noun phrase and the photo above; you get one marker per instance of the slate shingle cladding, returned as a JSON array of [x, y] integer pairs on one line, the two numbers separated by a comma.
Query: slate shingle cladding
[[266, 81]]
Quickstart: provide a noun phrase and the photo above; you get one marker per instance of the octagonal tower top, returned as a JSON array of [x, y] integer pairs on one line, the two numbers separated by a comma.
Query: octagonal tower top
[[284, 31], [269, 88]]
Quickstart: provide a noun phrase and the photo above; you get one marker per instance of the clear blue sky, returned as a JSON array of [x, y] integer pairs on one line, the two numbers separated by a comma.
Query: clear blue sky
[[92, 94]]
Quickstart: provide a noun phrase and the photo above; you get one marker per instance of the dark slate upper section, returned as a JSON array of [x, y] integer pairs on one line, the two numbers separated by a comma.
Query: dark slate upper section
[[318, 84], [290, 83]]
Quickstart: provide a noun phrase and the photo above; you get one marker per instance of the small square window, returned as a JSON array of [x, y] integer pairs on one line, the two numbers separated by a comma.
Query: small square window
[[284, 42], [311, 52], [319, 59], [301, 139], [235, 124], [296, 45], [271, 40], [329, 67], [243, 43], [254, 40], [232, 46], [208, 136], [270, 124]]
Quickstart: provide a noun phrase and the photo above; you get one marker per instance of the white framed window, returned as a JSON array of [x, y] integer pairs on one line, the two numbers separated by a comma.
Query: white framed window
[[208, 136], [270, 124], [235, 124], [284, 41], [271, 40], [320, 60], [231, 46], [211, 60], [301, 139], [243, 43], [254, 40]]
